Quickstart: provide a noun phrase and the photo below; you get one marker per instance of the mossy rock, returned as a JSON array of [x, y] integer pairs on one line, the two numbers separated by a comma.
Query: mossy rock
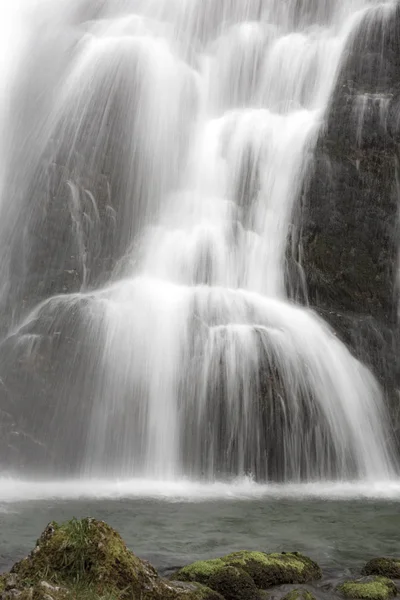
[[186, 591], [387, 567], [88, 560], [299, 595], [86, 551], [166, 591], [12, 585], [233, 584], [373, 588], [266, 570]]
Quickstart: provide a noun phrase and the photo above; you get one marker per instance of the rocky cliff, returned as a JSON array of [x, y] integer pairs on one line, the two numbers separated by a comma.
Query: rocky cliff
[[347, 257]]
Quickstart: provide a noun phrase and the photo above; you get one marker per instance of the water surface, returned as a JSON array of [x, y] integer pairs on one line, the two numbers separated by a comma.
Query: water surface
[[171, 524]]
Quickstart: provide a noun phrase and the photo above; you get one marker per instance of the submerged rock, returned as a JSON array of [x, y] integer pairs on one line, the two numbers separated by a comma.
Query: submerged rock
[[375, 588], [266, 570], [388, 567], [88, 560]]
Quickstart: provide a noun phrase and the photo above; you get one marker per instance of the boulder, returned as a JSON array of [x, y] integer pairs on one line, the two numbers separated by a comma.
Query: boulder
[[370, 588], [87, 559], [387, 567], [234, 584], [266, 570]]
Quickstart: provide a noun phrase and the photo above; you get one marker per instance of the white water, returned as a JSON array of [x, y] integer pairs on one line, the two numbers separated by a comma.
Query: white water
[[199, 118], [12, 490]]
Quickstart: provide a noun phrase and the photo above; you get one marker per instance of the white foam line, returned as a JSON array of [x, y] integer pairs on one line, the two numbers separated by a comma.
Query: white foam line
[[16, 490]]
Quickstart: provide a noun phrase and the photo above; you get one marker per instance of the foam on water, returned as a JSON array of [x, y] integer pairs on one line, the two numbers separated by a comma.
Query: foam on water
[[17, 491]]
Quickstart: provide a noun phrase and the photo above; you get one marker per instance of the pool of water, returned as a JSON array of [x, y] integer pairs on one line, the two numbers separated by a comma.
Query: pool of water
[[341, 526]]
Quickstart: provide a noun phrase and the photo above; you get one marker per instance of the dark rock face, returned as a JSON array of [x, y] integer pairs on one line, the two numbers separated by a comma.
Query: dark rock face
[[34, 381], [69, 239], [349, 224]]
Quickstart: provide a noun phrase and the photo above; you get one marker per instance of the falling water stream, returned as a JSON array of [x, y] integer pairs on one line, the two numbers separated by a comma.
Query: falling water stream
[[153, 156]]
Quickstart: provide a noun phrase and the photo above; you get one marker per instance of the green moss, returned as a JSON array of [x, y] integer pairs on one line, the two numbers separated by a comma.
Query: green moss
[[299, 595], [200, 571], [234, 584], [2, 583], [204, 593], [88, 560], [387, 567], [377, 588], [193, 591], [89, 552], [164, 591], [266, 570]]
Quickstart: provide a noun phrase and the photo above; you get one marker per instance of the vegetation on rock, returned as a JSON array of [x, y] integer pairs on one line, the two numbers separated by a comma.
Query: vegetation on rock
[[266, 570], [233, 583], [376, 588], [387, 567], [88, 560]]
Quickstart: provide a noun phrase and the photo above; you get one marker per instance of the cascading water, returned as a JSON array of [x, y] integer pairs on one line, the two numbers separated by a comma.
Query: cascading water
[[154, 158]]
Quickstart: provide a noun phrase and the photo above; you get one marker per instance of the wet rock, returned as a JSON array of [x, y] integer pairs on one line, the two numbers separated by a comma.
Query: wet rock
[[35, 393], [375, 588], [188, 591], [349, 263], [234, 584], [387, 567], [266, 570], [349, 222]]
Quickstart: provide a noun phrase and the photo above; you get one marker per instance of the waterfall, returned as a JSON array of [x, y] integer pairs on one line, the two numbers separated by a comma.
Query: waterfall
[[153, 158]]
